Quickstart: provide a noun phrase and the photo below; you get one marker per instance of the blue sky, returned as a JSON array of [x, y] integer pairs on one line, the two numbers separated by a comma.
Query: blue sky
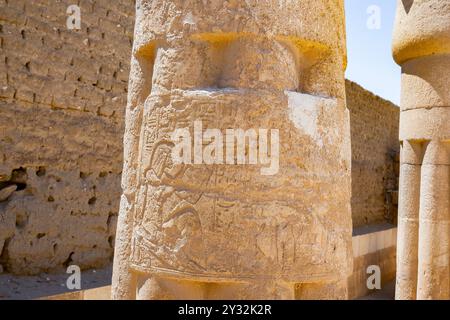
[[370, 61]]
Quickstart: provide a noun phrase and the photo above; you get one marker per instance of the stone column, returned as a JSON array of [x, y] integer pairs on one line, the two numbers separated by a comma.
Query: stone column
[[259, 206], [408, 219], [421, 46]]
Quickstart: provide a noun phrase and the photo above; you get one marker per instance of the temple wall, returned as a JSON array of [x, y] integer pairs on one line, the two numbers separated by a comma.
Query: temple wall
[[62, 96], [375, 163]]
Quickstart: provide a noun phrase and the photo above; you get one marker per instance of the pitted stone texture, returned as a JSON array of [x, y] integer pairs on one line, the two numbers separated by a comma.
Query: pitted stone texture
[[425, 82], [421, 29], [422, 47], [211, 221], [241, 65], [374, 124], [62, 94], [60, 218]]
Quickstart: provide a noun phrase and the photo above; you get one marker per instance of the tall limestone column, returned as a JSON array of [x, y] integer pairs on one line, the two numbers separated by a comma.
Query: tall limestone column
[[259, 208], [421, 46]]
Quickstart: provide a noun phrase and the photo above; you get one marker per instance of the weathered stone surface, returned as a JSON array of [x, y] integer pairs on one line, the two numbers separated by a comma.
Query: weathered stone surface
[[6, 192], [62, 99], [422, 47], [374, 125], [61, 111], [219, 224], [82, 215]]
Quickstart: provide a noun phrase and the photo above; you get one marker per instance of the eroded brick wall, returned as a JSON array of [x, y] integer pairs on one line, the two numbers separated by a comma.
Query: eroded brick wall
[[374, 126], [62, 96]]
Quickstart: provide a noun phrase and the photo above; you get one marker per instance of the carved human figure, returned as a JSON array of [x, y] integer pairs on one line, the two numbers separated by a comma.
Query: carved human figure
[[421, 46], [220, 230]]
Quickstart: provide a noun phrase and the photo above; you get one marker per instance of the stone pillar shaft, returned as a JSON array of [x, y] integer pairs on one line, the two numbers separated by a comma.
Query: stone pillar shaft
[[434, 250], [421, 46]]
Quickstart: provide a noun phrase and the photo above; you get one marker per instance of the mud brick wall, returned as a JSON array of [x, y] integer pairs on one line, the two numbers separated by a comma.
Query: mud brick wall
[[62, 96], [374, 126]]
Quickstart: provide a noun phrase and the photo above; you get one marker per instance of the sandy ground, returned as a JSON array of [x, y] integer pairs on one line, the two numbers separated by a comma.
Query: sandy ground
[[386, 293], [34, 287]]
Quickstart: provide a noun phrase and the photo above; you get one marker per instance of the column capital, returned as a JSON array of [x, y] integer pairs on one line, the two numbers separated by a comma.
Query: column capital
[[422, 28]]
